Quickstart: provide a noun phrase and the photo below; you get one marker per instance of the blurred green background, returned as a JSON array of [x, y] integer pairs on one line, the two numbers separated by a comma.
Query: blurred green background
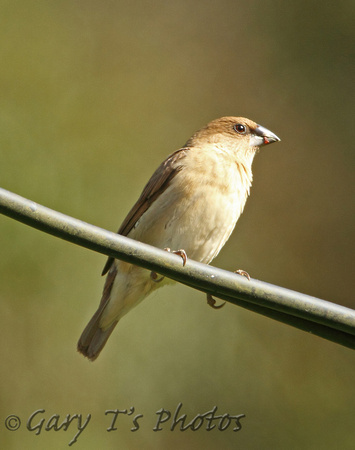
[[94, 94]]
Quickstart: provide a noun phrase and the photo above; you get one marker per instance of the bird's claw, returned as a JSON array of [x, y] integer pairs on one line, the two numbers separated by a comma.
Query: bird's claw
[[181, 252], [212, 302], [243, 273], [154, 277]]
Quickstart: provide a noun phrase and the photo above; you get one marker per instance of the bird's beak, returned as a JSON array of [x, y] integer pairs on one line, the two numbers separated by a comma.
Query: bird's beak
[[262, 136]]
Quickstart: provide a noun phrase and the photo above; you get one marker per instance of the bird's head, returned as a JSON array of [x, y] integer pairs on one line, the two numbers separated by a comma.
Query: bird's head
[[233, 133]]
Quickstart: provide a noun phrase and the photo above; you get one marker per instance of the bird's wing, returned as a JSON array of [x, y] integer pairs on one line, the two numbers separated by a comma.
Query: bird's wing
[[157, 184]]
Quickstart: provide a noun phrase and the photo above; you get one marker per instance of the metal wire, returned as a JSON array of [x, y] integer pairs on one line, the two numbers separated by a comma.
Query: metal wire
[[322, 318]]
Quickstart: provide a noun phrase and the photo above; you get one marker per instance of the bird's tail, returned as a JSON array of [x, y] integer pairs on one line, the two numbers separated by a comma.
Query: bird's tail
[[94, 338]]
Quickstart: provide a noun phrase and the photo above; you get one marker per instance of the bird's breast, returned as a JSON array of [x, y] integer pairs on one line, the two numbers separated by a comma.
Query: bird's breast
[[199, 209]]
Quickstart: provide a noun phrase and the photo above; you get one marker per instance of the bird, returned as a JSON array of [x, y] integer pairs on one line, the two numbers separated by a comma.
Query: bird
[[191, 205]]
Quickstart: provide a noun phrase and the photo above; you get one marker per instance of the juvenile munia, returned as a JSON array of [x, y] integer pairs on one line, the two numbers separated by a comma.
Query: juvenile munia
[[190, 204]]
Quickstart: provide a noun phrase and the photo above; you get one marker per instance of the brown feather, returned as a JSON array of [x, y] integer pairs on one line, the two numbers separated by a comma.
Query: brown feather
[[157, 184], [93, 338]]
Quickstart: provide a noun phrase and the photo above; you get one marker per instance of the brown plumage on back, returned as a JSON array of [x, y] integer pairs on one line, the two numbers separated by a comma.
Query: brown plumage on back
[[191, 202]]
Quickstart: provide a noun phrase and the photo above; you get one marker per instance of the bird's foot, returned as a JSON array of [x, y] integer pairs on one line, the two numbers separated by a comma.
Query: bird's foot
[[182, 253], [154, 277], [212, 302], [243, 273]]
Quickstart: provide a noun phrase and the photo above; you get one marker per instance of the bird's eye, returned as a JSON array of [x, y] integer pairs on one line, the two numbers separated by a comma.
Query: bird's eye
[[240, 128]]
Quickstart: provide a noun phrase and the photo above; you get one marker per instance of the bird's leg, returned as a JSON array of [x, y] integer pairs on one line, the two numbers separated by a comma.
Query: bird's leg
[[181, 252], [212, 302]]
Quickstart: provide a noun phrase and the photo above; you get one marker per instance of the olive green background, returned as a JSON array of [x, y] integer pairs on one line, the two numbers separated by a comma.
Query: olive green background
[[94, 94]]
